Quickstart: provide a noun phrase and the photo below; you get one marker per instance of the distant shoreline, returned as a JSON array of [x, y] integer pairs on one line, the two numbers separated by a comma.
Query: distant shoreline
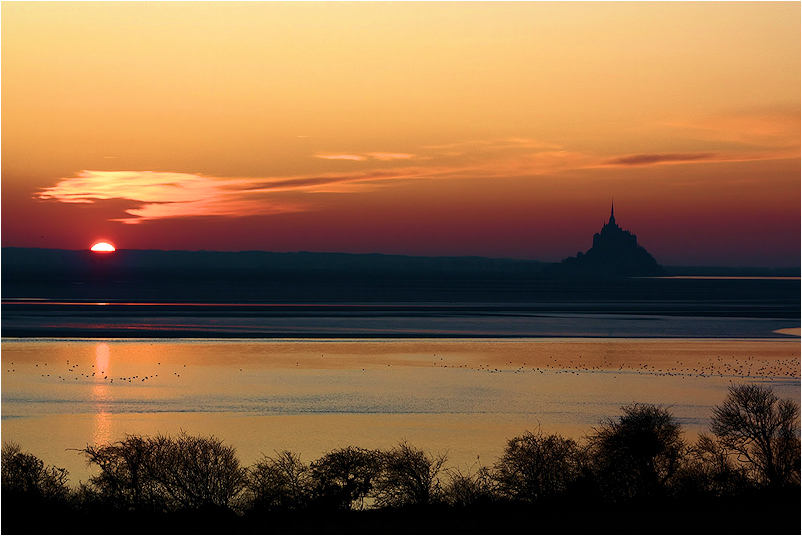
[[769, 329], [32, 334], [25, 264]]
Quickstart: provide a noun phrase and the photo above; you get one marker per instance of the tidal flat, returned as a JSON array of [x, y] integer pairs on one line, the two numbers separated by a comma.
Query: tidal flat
[[462, 396]]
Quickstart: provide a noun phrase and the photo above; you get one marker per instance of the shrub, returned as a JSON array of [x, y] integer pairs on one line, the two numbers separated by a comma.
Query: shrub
[[636, 454], [535, 466], [342, 478]]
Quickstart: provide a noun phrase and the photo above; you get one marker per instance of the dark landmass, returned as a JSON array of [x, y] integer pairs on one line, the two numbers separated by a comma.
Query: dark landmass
[[57, 293], [21, 264], [34, 265], [201, 276], [231, 277]]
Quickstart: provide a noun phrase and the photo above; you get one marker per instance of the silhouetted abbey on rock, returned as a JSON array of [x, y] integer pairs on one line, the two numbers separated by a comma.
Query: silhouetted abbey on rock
[[615, 253]]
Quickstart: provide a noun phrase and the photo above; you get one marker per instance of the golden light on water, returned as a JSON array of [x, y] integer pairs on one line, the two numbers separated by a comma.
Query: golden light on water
[[102, 353], [287, 392], [103, 247], [101, 434]]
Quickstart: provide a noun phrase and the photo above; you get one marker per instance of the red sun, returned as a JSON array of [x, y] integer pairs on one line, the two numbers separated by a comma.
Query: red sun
[[103, 247]]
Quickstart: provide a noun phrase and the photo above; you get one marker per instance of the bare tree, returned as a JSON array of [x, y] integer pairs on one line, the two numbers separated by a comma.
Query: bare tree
[[469, 488], [278, 483], [165, 473], [707, 468], [128, 473], [409, 476], [536, 466], [25, 474], [198, 472], [762, 430]]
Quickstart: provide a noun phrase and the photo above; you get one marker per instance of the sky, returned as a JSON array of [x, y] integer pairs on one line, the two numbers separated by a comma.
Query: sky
[[482, 128]]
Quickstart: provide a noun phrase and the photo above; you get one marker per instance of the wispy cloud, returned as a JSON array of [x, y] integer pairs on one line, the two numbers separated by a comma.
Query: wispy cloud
[[162, 194], [170, 195], [366, 156], [155, 195], [391, 156], [355, 157], [649, 159], [492, 145]]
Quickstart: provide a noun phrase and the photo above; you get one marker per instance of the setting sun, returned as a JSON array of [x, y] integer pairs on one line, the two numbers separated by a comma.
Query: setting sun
[[103, 246]]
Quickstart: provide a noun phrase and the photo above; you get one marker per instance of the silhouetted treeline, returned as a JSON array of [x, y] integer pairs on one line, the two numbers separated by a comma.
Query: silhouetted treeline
[[633, 473]]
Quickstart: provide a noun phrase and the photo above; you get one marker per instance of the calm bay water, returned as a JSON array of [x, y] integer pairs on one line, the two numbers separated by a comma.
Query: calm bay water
[[464, 396], [45, 318]]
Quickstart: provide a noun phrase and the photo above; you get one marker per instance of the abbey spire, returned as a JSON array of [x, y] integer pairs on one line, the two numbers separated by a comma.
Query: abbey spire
[[611, 225]]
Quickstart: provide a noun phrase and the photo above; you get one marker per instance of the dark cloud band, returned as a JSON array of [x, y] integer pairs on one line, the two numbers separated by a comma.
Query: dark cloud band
[[658, 158]]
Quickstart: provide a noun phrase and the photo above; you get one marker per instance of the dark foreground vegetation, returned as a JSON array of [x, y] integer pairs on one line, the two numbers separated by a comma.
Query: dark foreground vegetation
[[632, 474]]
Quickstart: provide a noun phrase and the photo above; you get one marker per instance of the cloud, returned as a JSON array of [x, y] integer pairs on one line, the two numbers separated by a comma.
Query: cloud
[[363, 157], [494, 145], [154, 195], [649, 159], [356, 157], [171, 195], [160, 194], [391, 156], [157, 195]]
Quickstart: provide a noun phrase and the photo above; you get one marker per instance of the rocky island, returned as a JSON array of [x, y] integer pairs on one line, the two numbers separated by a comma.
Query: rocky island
[[615, 253]]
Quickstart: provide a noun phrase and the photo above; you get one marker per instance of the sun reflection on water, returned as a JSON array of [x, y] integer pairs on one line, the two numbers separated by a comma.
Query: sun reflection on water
[[101, 395]]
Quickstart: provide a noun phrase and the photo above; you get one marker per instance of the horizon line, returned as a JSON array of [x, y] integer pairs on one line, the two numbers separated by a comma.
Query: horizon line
[[518, 259]]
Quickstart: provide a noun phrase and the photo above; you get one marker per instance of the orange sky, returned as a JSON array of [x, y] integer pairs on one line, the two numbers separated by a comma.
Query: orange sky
[[498, 129]]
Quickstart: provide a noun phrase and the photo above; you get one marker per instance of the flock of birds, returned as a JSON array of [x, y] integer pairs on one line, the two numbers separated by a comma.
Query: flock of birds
[[734, 367], [73, 371], [718, 367]]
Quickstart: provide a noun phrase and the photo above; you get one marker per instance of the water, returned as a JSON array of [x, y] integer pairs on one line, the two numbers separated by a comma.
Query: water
[[645, 318], [463, 396]]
